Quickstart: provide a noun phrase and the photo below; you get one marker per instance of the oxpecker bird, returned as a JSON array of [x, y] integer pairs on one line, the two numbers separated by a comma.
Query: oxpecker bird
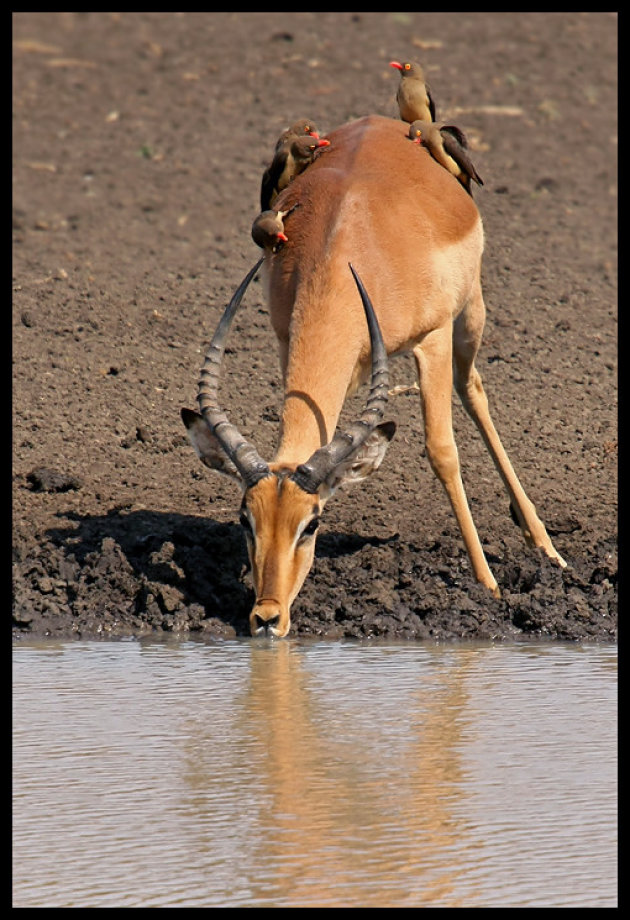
[[448, 145], [288, 162], [413, 96], [302, 128], [268, 229]]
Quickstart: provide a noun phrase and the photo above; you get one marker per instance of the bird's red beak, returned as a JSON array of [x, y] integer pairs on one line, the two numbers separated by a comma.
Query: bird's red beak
[[396, 65], [323, 142], [282, 236]]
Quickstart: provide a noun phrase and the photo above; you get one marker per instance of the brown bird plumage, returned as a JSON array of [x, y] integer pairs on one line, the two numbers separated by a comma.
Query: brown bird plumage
[[413, 96], [448, 145], [302, 128], [268, 229], [288, 162]]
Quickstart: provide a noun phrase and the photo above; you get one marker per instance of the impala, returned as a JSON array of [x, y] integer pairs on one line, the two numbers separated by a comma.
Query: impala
[[383, 233]]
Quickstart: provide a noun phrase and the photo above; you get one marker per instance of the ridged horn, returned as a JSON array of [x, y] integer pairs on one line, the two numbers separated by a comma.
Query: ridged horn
[[310, 475], [243, 455]]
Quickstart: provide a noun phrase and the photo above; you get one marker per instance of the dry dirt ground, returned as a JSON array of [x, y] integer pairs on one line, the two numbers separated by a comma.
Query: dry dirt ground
[[139, 140]]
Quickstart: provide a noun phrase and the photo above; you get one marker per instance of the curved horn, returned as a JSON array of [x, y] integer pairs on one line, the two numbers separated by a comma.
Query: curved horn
[[244, 456], [310, 475]]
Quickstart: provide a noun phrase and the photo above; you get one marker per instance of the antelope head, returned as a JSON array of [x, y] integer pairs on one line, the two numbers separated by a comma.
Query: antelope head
[[281, 505]]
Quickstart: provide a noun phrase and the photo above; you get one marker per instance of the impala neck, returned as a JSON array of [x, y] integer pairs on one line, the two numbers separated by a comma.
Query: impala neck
[[309, 421], [318, 373]]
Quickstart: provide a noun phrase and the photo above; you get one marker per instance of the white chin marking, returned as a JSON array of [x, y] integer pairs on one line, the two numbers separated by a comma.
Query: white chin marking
[[270, 631]]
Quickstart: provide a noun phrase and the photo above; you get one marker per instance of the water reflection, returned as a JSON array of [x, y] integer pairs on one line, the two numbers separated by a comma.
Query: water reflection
[[350, 790], [314, 774], [407, 772], [326, 846]]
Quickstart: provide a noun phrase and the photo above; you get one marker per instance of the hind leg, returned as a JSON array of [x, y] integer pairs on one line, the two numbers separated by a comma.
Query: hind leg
[[467, 334], [435, 375]]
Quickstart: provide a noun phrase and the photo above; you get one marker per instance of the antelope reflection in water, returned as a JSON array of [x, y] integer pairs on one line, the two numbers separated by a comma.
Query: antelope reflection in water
[[351, 808]]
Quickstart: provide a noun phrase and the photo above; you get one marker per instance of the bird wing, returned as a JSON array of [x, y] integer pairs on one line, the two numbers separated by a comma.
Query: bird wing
[[431, 102], [458, 152], [457, 133], [271, 177]]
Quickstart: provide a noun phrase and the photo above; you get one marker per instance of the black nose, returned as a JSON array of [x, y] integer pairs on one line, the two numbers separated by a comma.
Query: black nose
[[265, 625]]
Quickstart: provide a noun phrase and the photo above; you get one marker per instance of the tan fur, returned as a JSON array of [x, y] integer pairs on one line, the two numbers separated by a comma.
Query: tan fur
[[415, 238], [278, 508], [412, 234]]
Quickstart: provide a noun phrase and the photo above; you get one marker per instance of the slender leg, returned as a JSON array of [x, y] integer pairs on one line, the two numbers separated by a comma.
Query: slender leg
[[466, 339], [435, 376]]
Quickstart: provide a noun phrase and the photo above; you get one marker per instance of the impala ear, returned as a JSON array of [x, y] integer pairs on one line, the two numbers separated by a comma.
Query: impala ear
[[207, 447], [361, 464]]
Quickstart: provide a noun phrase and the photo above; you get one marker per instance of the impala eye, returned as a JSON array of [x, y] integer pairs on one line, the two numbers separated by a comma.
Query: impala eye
[[310, 528]]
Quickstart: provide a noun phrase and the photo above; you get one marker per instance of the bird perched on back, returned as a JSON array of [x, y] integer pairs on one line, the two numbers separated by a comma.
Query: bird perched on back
[[448, 145], [268, 229], [302, 128], [288, 162], [413, 96]]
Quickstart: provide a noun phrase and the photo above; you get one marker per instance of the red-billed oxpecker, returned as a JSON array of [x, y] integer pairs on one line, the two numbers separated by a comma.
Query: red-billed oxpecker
[[288, 162], [268, 229], [413, 95], [448, 146]]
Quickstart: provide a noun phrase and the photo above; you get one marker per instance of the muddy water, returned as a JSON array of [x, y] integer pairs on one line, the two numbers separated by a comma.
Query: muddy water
[[149, 774]]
